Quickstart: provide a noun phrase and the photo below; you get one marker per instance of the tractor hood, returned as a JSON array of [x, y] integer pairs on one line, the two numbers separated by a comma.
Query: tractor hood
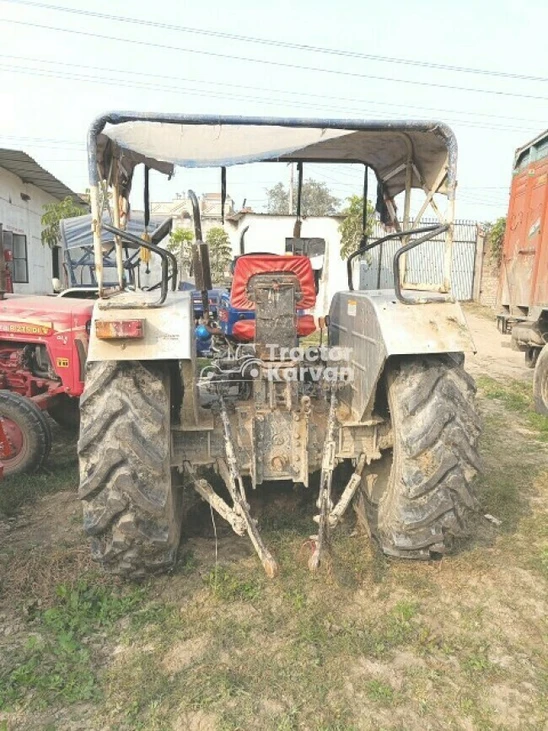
[[163, 141], [42, 306]]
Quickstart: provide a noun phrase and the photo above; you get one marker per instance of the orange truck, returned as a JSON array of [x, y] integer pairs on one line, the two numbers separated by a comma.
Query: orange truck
[[523, 285]]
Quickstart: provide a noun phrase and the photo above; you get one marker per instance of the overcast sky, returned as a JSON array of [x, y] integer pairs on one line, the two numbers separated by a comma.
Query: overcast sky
[[54, 81]]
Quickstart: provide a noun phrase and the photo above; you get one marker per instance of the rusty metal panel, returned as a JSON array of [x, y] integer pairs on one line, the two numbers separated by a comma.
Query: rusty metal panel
[[425, 263], [524, 268]]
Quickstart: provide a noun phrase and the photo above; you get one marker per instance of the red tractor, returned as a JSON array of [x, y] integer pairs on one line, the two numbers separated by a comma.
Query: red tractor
[[43, 348]]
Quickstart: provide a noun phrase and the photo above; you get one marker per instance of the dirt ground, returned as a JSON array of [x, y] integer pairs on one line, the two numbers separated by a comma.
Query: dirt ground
[[494, 355], [367, 644]]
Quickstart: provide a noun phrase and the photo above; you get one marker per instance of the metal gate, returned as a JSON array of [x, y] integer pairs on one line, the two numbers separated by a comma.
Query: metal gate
[[425, 263]]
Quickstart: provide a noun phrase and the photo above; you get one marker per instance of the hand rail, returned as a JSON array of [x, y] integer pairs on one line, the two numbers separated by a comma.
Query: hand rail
[[367, 247], [165, 256], [403, 250]]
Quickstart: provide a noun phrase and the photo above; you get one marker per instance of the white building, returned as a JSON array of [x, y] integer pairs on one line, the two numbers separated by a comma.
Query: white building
[[180, 210], [267, 233], [25, 187]]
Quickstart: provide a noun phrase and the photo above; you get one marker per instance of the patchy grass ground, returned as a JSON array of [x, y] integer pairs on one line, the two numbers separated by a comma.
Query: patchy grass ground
[[366, 644]]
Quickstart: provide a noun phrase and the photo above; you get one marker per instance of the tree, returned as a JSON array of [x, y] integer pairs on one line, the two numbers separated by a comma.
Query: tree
[[317, 199], [351, 229], [220, 252], [53, 214], [494, 234], [180, 244]]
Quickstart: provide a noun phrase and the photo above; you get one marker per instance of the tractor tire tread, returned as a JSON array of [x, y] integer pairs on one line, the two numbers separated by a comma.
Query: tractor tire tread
[[429, 497], [31, 418], [132, 511]]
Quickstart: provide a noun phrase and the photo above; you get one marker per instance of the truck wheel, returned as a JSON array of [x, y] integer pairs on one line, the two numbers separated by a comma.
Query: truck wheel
[[27, 432], [132, 510], [531, 357], [65, 410], [422, 495], [540, 383]]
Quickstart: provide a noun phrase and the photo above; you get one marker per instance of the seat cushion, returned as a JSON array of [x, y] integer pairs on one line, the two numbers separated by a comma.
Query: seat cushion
[[250, 265]]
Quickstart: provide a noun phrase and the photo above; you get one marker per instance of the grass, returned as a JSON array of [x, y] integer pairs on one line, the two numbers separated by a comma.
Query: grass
[[516, 396], [55, 663], [368, 643], [59, 473]]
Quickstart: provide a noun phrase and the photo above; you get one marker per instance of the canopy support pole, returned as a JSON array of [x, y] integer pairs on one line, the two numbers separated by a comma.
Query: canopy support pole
[[223, 194], [116, 216], [96, 228], [364, 210], [298, 222]]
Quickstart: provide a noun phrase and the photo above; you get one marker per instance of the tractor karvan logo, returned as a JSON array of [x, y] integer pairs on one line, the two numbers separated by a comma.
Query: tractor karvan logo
[[25, 328]]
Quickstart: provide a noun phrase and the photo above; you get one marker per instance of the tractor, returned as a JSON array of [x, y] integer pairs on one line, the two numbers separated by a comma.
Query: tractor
[[43, 346], [370, 398]]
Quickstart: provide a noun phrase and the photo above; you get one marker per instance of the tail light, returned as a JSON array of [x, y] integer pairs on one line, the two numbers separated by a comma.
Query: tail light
[[119, 329]]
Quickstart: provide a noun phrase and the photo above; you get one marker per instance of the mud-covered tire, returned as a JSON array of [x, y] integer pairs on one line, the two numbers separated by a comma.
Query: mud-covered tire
[[28, 432], [65, 410], [531, 357], [540, 383], [422, 497], [132, 509]]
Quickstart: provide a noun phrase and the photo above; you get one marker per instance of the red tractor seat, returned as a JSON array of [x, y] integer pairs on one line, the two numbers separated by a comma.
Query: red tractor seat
[[244, 330], [249, 265]]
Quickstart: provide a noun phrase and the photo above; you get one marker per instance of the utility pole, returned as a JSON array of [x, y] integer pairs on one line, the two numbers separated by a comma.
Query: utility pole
[[290, 211]]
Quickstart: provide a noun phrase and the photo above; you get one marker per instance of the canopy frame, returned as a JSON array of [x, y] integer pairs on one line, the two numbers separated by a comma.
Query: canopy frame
[[109, 160]]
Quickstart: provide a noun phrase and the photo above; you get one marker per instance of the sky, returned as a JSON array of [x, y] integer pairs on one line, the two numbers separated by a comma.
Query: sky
[[62, 64]]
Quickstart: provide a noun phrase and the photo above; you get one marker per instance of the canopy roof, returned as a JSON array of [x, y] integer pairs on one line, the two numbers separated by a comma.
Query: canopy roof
[[78, 232], [163, 141]]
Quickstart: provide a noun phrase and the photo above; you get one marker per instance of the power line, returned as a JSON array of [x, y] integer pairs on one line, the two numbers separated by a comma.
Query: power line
[[34, 140], [280, 44], [258, 88], [189, 91], [279, 64]]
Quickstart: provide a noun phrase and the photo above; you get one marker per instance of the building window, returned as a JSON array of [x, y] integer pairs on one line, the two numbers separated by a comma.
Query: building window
[[15, 246]]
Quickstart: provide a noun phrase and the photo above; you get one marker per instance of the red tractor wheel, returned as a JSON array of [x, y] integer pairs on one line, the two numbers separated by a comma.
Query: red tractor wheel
[[27, 434]]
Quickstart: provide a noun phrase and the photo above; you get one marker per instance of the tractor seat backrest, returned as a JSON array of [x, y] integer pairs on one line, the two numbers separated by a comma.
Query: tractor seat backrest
[[248, 267]]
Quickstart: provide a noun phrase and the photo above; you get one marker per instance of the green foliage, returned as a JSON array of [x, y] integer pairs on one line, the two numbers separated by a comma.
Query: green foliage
[[228, 587], [56, 663], [180, 244], [53, 214], [317, 199], [220, 252], [351, 229], [380, 692], [516, 396], [22, 489], [495, 239]]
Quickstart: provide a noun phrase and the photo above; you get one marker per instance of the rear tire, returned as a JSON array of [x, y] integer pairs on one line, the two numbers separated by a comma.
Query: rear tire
[[132, 510], [422, 495], [28, 433], [540, 383]]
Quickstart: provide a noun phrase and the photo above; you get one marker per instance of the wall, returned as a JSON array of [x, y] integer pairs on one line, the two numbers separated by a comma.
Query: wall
[[267, 233], [489, 282], [24, 217]]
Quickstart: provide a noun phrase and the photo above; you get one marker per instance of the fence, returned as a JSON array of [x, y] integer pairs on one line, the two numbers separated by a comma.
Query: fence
[[425, 263]]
